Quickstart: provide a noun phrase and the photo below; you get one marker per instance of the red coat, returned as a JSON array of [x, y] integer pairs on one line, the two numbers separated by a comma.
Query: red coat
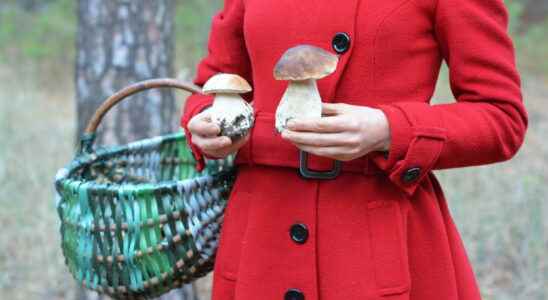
[[381, 229]]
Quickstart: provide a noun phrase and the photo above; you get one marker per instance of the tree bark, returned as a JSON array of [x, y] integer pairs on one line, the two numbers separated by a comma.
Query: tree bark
[[120, 42]]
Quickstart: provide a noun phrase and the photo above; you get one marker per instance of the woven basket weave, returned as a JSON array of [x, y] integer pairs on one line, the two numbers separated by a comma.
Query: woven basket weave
[[137, 220]]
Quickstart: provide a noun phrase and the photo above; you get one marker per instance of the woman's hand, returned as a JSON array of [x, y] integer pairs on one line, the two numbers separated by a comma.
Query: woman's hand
[[205, 136], [344, 133]]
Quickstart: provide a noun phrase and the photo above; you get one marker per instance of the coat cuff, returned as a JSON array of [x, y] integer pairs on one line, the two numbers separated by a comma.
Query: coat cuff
[[195, 104], [414, 146]]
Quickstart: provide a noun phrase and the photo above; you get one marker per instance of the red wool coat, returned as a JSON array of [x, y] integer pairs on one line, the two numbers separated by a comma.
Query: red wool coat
[[382, 228]]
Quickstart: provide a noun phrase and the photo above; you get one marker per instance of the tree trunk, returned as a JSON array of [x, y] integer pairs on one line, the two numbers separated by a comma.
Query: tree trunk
[[534, 11], [120, 42]]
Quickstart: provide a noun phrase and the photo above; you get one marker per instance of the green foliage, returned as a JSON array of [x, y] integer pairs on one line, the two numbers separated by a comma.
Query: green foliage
[[530, 40], [47, 33], [515, 11], [192, 23], [533, 48], [43, 34]]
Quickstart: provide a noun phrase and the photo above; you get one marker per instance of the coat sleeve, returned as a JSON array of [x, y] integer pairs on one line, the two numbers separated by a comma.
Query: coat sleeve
[[486, 123], [226, 54]]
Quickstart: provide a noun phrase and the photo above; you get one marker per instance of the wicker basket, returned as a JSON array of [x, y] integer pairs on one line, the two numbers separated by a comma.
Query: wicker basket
[[137, 220]]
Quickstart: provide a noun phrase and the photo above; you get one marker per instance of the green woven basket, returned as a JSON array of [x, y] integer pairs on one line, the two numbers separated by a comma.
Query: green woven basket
[[137, 220]]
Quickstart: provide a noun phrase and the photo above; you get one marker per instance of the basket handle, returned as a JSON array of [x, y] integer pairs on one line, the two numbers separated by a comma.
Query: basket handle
[[88, 137]]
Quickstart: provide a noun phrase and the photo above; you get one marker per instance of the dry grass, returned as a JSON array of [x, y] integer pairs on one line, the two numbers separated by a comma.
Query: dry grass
[[35, 140], [500, 209]]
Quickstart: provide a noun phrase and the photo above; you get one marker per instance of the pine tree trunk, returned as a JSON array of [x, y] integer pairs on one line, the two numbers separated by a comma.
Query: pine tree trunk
[[121, 42]]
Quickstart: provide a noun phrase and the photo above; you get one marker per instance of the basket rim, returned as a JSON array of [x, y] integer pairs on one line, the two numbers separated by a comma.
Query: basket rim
[[82, 159]]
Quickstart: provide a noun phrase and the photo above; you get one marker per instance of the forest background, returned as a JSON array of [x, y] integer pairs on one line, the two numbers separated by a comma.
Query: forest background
[[501, 210]]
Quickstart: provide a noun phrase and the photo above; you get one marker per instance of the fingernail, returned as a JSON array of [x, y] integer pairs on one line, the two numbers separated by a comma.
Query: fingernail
[[290, 123]]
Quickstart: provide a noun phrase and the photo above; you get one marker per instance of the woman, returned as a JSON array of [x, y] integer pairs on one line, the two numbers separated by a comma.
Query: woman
[[381, 229]]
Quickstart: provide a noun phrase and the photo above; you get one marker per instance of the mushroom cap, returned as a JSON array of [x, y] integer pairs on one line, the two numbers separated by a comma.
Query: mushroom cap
[[305, 62], [226, 83]]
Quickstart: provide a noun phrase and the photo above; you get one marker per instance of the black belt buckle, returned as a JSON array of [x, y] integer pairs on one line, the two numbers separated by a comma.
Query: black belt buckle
[[307, 173]]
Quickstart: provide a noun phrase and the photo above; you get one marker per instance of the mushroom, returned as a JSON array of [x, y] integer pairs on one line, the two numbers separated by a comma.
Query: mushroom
[[230, 111], [302, 66]]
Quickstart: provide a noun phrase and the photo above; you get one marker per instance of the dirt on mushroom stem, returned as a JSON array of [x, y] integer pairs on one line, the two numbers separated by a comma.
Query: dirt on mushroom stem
[[230, 111]]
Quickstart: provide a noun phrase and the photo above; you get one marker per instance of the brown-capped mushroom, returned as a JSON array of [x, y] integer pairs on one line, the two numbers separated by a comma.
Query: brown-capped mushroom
[[302, 66], [230, 111]]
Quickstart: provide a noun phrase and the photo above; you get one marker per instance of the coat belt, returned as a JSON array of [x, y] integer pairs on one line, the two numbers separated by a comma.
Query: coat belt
[[266, 147]]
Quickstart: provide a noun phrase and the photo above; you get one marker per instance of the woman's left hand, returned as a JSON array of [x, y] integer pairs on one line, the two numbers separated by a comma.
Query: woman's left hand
[[345, 131]]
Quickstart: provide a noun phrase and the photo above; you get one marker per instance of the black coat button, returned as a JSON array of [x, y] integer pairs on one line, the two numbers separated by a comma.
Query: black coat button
[[298, 233], [411, 175], [341, 42], [294, 294]]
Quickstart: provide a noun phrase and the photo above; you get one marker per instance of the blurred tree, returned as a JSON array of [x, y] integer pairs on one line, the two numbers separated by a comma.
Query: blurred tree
[[121, 42], [32, 5], [118, 43], [534, 11], [27, 5]]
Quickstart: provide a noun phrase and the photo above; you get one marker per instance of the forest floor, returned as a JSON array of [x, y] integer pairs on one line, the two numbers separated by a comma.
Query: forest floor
[[501, 210]]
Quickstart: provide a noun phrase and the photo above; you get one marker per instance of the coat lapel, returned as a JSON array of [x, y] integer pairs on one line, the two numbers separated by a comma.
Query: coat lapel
[[344, 14]]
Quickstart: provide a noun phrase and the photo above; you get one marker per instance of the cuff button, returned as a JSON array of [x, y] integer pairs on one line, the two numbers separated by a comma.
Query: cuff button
[[411, 175]]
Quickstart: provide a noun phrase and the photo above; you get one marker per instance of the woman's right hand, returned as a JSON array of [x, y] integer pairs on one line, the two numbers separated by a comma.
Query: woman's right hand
[[205, 136]]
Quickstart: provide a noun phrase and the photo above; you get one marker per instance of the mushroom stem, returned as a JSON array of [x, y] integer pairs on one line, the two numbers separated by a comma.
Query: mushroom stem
[[233, 114], [301, 99]]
